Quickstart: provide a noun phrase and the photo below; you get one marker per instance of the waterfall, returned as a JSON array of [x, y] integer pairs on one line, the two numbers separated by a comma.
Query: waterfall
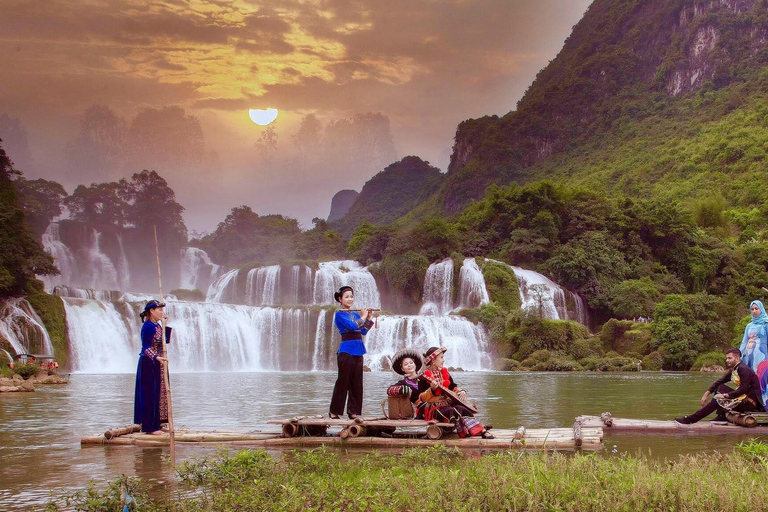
[[62, 256], [123, 271], [472, 290], [468, 344], [438, 289], [104, 336], [319, 342], [22, 328], [557, 303], [299, 286], [197, 269], [223, 287], [103, 273], [86, 293], [332, 275], [262, 286]]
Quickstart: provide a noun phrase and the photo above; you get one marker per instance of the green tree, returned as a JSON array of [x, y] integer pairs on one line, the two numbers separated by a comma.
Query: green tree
[[21, 257], [634, 298], [99, 205], [41, 200]]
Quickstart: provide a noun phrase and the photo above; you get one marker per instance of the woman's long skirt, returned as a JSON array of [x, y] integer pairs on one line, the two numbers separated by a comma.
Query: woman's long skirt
[[146, 405]]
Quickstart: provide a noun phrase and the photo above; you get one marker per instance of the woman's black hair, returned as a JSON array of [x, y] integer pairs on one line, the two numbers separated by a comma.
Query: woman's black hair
[[341, 291]]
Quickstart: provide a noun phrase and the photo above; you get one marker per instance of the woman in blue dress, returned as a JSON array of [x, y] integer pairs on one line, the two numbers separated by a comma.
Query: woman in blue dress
[[352, 326], [146, 408], [754, 344]]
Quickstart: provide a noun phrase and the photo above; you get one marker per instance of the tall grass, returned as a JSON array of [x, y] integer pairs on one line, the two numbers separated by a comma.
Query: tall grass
[[443, 479]]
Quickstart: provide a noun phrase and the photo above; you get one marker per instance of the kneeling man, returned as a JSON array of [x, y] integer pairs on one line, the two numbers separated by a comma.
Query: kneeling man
[[747, 392]]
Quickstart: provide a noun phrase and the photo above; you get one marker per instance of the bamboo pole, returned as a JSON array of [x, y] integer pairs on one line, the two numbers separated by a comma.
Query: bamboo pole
[[165, 353]]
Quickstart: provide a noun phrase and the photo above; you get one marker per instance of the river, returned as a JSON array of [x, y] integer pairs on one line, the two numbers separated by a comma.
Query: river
[[40, 453]]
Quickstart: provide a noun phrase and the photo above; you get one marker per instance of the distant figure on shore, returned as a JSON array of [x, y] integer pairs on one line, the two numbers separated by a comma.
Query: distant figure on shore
[[406, 362], [146, 409], [434, 404], [745, 398], [754, 345], [352, 327]]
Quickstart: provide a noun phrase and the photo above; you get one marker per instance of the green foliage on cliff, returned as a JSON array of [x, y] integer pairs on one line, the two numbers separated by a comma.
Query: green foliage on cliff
[[21, 257], [50, 309], [392, 193]]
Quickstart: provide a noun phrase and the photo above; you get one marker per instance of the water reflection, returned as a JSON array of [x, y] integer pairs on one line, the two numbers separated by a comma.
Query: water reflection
[[40, 432]]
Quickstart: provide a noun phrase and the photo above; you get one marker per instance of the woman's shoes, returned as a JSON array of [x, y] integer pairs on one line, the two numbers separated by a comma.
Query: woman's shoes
[[487, 435], [333, 416]]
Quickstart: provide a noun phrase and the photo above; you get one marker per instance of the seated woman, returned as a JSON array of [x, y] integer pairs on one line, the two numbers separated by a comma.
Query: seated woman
[[433, 404], [406, 362]]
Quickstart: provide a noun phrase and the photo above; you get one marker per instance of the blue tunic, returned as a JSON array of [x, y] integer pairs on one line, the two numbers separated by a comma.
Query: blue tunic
[[349, 324]]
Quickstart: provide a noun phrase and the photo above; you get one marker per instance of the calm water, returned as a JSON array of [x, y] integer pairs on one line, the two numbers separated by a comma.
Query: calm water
[[40, 432]]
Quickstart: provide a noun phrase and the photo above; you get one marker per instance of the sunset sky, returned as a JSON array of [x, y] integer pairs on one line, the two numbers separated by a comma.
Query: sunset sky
[[425, 64]]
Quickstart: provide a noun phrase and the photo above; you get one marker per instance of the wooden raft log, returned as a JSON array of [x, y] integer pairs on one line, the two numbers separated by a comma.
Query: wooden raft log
[[117, 432], [546, 439], [669, 426]]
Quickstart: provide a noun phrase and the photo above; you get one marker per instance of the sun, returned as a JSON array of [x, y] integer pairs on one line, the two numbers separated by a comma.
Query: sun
[[263, 117]]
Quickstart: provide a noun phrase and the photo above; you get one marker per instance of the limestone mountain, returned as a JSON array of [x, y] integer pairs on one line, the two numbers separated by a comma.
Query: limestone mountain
[[341, 203], [392, 193], [637, 85]]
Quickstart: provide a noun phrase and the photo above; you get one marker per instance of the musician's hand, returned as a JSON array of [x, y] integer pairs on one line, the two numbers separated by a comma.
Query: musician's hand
[[462, 395], [705, 398], [161, 360], [720, 396], [364, 315], [433, 384]]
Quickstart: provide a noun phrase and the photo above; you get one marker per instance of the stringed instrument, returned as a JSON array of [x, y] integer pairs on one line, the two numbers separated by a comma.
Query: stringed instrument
[[454, 397]]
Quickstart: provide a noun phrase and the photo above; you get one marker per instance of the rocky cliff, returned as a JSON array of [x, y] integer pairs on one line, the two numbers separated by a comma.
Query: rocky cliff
[[625, 60]]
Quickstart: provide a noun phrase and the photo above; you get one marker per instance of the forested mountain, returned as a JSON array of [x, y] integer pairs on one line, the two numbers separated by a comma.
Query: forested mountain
[[392, 193], [644, 92]]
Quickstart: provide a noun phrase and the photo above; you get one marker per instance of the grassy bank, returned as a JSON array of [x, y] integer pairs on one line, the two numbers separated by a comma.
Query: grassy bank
[[447, 480]]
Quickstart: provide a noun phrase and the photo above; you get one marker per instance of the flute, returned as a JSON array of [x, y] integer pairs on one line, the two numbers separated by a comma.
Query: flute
[[359, 310]]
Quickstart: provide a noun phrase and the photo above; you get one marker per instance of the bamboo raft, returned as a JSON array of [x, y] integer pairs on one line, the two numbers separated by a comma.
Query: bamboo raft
[[738, 423], [363, 433]]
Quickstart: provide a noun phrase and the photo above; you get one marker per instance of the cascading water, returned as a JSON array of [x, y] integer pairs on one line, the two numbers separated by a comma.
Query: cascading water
[[332, 275], [438, 289], [197, 269], [472, 290], [556, 302], [262, 286], [123, 272], [222, 287], [22, 328], [62, 256], [467, 343], [103, 274]]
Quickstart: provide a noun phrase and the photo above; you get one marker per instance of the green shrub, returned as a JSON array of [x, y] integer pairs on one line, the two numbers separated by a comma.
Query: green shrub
[[581, 349], [26, 370], [590, 363], [708, 359], [653, 361], [561, 364], [612, 334], [504, 364]]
